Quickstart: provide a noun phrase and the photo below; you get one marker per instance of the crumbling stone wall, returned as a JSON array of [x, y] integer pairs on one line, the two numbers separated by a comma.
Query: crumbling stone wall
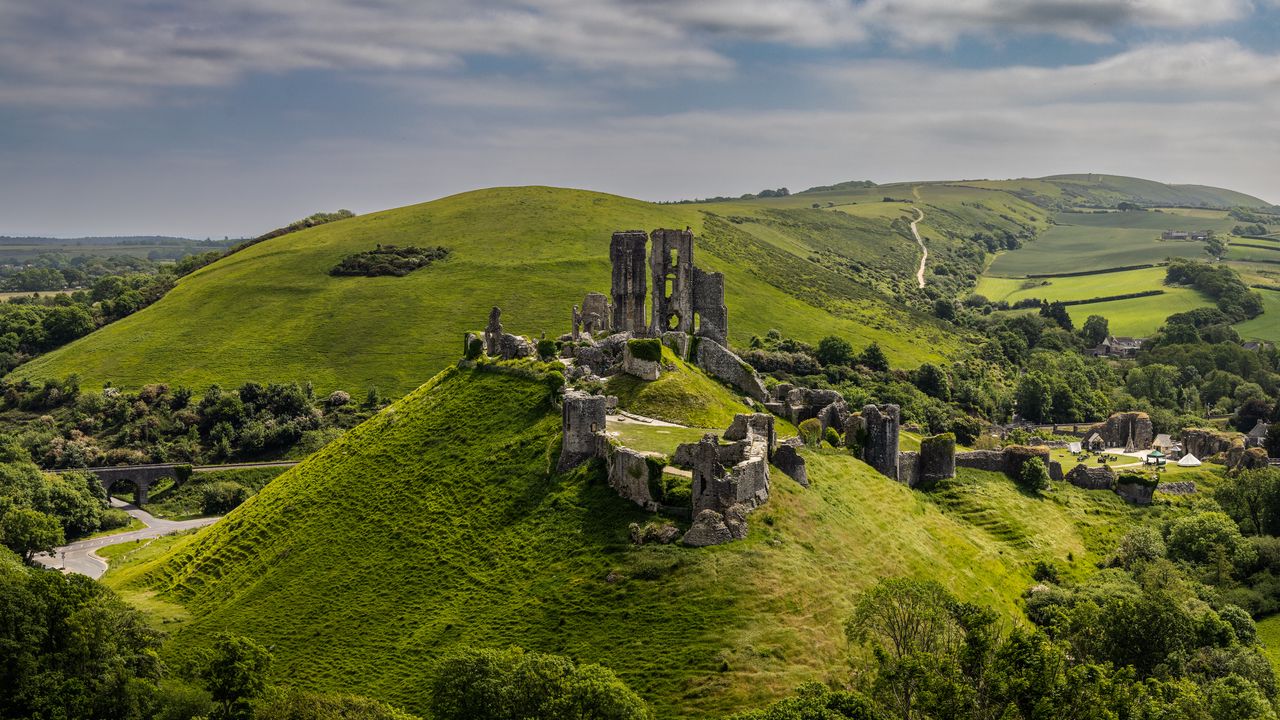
[[937, 459], [788, 459], [1135, 491], [627, 256], [1204, 443], [501, 344], [1099, 477], [1130, 430], [798, 404], [709, 307], [582, 425], [880, 425], [630, 474], [595, 316], [644, 369], [671, 263], [1008, 461], [721, 363]]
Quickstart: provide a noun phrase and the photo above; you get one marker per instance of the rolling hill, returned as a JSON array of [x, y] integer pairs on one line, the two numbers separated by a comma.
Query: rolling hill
[[839, 261], [273, 313], [450, 491]]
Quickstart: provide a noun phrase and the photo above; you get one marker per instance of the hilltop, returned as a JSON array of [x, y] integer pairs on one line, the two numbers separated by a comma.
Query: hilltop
[[451, 492], [839, 261]]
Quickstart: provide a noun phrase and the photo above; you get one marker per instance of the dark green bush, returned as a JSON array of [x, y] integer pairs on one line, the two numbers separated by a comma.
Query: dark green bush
[[475, 347], [220, 498], [548, 348], [181, 474], [1034, 475], [811, 432], [646, 349], [833, 437], [113, 518], [389, 260]]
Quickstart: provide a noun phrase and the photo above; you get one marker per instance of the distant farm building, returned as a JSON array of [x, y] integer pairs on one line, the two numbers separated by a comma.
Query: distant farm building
[[1200, 235], [1122, 347]]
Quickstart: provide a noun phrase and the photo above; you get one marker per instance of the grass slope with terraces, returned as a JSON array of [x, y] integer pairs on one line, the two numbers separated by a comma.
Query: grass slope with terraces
[[439, 524], [272, 312]]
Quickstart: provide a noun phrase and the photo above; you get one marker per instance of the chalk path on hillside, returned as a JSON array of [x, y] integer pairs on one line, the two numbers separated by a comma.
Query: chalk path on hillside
[[81, 557], [924, 251]]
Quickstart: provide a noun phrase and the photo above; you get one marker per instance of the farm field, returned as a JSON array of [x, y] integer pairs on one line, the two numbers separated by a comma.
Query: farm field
[[1267, 325], [1072, 248], [1073, 288], [1138, 317]]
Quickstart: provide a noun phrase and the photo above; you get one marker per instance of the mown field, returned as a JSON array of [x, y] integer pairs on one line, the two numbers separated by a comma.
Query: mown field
[[273, 313], [1138, 317], [1267, 325], [449, 491], [1073, 248]]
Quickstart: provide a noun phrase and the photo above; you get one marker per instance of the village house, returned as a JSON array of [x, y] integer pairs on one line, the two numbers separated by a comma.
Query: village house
[[1122, 347]]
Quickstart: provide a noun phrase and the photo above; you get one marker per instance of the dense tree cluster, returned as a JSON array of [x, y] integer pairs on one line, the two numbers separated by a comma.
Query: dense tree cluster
[[39, 511], [1140, 641], [389, 260], [63, 427], [1236, 301]]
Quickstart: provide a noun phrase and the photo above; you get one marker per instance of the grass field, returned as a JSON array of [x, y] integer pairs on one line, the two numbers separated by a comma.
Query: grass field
[[1072, 248], [1267, 325], [1138, 317], [449, 492], [684, 396], [273, 313]]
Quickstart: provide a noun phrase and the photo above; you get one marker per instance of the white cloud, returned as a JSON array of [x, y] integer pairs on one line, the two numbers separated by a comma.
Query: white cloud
[[54, 49]]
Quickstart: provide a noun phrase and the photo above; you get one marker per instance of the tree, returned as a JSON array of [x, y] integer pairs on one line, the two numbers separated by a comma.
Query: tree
[[1197, 538], [874, 358], [1252, 499], [944, 309], [1140, 545], [513, 685], [1250, 412], [1057, 312], [815, 701], [1095, 330], [834, 350], [236, 674], [1034, 475], [29, 532], [933, 381]]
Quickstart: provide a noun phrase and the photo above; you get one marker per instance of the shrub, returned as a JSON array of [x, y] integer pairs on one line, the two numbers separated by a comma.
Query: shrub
[[220, 498], [113, 518], [548, 348], [389, 260], [1034, 475], [338, 398], [513, 684], [834, 350], [475, 347], [811, 432], [645, 349], [833, 437], [181, 474]]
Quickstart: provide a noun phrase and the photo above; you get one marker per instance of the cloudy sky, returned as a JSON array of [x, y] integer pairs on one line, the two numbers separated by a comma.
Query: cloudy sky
[[232, 117]]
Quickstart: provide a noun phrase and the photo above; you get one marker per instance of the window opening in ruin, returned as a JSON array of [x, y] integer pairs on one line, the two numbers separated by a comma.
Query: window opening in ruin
[[673, 321]]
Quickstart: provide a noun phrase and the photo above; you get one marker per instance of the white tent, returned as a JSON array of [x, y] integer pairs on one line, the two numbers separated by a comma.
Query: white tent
[[1073, 448], [1189, 460]]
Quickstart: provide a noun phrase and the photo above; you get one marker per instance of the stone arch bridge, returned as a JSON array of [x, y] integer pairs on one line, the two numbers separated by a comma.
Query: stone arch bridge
[[142, 476]]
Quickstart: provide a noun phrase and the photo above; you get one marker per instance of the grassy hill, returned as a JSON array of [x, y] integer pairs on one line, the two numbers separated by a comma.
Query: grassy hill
[[272, 311], [1108, 190], [450, 492]]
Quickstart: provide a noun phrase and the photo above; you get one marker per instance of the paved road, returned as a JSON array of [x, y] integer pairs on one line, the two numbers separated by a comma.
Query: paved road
[[79, 557]]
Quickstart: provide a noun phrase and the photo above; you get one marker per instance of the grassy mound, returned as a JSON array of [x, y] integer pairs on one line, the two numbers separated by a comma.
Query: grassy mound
[[684, 395], [439, 524], [273, 312]]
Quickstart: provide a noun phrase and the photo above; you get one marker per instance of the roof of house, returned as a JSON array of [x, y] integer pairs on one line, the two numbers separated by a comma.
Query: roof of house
[[1093, 435], [1163, 440], [1259, 430]]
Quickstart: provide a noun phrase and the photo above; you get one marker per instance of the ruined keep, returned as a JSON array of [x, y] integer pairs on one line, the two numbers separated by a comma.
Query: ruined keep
[[627, 256], [501, 344]]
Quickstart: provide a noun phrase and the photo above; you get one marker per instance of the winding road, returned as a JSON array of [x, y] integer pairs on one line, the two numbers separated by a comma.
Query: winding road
[[80, 556], [924, 251]]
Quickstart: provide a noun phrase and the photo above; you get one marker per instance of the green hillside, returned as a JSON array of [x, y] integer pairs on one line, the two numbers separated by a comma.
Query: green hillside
[[449, 491], [273, 313], [1107, 190]]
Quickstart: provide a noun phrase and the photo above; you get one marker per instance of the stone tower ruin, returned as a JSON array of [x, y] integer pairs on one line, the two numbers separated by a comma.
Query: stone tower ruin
[[627, 255], [671, 262]]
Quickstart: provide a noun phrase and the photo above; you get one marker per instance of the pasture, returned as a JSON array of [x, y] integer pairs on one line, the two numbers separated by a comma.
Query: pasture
[[1267, 325], [1071, 248]]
